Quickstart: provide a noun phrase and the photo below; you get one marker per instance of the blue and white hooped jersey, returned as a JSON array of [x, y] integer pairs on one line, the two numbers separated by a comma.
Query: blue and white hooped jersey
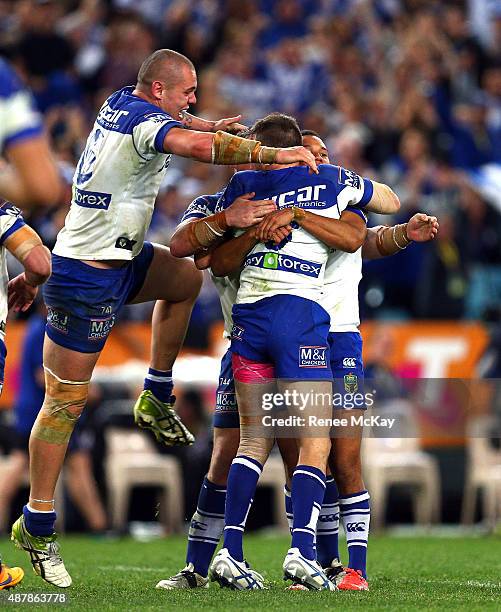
[[227, 286], [10, 221], [297, 265], [117, 180], [18, 117]]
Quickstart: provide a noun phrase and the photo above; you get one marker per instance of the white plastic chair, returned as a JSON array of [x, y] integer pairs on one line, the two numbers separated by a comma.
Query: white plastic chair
[[400, 461], [482, 472], [132, 461]]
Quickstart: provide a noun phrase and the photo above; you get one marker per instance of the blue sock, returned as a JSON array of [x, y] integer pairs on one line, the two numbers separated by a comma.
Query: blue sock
[[206, 526], [159, 382], [356, 515], [288, 506], [328, 525], [39, 523], [308, 488], [242, 481]]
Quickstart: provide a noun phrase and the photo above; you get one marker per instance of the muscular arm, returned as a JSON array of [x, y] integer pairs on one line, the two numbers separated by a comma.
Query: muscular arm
[[419, 228], [229, 256], [346, 234], [384, 200], [27, 248], [31, 177], [205, 125], [226, 149]]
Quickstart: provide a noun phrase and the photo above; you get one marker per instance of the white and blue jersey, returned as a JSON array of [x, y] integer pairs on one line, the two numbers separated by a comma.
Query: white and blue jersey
[[117, 180], [297, 265], [10, 222], [226, 410], [18, 117], [277, 317]]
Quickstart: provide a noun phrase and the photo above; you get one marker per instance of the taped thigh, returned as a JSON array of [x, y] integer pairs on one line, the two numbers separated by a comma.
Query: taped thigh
[[63, 404]]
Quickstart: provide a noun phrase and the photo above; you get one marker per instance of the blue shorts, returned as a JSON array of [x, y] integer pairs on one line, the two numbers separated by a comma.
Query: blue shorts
[[287, 331], [83, 302], [347, 367], [226, 412]]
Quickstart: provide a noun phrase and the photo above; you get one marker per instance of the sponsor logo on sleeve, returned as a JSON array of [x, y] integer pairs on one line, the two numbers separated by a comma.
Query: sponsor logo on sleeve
[[58, 320], [225, 400], [99, 329], [92, 199], [312, 357], [349, 178]]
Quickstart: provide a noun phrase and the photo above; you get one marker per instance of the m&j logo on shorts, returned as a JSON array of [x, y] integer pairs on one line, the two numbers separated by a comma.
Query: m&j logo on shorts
[[312, 357]]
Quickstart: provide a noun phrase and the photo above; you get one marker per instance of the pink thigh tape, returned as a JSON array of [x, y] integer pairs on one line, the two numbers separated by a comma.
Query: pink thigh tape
[[249, 371]]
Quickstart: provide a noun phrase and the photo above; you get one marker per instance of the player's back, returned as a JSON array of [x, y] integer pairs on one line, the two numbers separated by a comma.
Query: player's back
[[117, 180], [297, 265]]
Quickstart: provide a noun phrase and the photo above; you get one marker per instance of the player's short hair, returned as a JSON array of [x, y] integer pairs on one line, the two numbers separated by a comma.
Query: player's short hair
[[164, 65], [277, 130], [310, 133]]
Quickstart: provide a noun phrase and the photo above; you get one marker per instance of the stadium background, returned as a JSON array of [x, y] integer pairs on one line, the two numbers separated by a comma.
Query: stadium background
[[406, 92]]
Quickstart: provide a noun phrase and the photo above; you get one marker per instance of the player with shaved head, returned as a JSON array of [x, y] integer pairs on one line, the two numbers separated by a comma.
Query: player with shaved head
[[101, 262]]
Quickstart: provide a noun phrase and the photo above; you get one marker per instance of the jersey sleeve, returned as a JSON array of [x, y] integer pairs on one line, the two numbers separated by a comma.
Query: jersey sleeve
[[149, 133], [352, 188], [201, 207], [11, 220], [234, 189]]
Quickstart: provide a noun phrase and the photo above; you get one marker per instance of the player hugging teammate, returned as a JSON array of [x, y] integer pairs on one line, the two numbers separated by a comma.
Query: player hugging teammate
[[270, 272]]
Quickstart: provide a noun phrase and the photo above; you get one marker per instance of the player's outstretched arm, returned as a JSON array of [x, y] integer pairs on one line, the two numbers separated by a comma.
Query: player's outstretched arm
[[225, 149], [27, 248], [241, 214], [30, 178], [383, 241], [230, 124], [346, 234], [384, 200]]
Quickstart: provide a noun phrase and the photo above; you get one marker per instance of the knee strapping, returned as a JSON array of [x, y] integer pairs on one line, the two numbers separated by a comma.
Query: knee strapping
[[255, 448], [63, 404]]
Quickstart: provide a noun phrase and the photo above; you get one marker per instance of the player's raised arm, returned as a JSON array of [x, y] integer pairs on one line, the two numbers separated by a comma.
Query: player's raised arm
[[230, 124], [384, 200], [383, 241]]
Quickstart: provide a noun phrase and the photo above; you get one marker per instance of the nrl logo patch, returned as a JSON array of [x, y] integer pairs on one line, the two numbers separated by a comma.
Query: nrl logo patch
[[350, 383]]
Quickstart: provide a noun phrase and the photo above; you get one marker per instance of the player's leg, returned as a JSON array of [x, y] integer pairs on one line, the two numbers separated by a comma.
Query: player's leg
[[82, 488], [82, 303], [301, 356], [207, 523], [252, 380], [345, 459], [12, 476], [289, 452], [174, 285]]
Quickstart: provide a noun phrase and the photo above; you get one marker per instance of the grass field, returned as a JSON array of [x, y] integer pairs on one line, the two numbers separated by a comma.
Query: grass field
[[405, 574]]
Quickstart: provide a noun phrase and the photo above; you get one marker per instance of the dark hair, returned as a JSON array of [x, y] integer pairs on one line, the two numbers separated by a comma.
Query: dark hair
[[310, 133], [277, 130]]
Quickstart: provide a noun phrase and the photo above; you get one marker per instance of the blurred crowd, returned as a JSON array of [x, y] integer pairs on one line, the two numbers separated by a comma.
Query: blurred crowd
[[407, 92]]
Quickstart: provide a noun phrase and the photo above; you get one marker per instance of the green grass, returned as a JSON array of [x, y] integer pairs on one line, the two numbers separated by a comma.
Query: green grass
[[405, 574]]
